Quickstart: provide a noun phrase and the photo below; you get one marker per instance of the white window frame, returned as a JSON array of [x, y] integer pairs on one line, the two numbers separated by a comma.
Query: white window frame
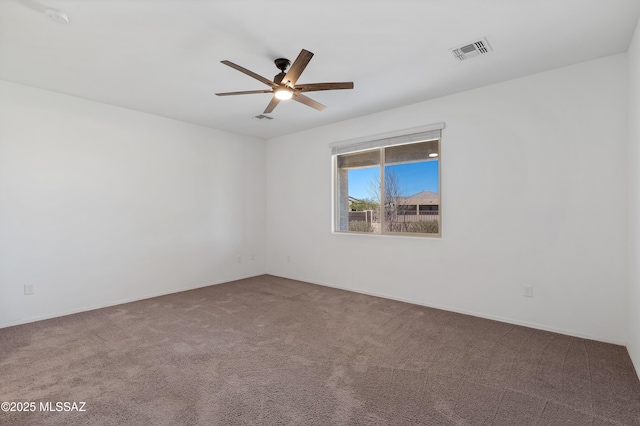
[[401, 137]]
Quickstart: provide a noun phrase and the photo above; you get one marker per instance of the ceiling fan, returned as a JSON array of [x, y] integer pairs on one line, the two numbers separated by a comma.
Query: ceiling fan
[[284, 84]]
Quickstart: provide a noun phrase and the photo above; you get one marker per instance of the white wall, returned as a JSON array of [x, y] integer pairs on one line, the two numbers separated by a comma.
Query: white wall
[[634, 199], [100, 204], [534, 190]]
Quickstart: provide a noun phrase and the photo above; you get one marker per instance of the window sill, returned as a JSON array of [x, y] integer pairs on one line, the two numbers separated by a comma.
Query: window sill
[[392, 235]]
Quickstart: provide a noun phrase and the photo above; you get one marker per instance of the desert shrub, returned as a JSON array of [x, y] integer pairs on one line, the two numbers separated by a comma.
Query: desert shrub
[[397, 227], [425, 227], [360, 226]]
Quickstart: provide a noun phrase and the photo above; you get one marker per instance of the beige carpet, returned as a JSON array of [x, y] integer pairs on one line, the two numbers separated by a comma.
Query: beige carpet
[[267, 351]]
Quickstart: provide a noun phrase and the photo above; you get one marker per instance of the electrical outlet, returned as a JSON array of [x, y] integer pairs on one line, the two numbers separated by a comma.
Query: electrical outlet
[[28, 289], [239, 259], [253, 256], [288, 258], [528, 291]]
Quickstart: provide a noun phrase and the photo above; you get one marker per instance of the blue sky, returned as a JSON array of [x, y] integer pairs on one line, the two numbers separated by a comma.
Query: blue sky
[[413, 178]]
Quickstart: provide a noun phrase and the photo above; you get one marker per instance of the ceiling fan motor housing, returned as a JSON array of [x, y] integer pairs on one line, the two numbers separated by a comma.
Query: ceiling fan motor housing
[[278, 78]]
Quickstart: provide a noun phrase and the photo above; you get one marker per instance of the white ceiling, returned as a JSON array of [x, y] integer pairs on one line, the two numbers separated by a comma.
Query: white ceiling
[[163, 56]]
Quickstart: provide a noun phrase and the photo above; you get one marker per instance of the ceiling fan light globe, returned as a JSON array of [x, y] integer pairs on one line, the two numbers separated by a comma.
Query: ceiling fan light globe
[[283, 94]]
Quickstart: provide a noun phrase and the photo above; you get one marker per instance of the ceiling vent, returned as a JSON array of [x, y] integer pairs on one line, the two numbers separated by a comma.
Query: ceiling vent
[[470, 50], [262, 117]]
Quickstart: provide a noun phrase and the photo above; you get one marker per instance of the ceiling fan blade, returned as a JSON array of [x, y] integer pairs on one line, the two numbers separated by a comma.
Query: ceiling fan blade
[[297, 67], [272, 105], [308, 101], [247, 92], [250, 73], [315, 87]]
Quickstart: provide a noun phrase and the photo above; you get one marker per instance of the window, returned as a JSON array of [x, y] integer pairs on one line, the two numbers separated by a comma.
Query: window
[[389, 186]]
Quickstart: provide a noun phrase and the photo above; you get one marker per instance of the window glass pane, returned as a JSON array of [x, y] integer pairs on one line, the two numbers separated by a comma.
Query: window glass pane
[[412, 188], [358, 176]]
